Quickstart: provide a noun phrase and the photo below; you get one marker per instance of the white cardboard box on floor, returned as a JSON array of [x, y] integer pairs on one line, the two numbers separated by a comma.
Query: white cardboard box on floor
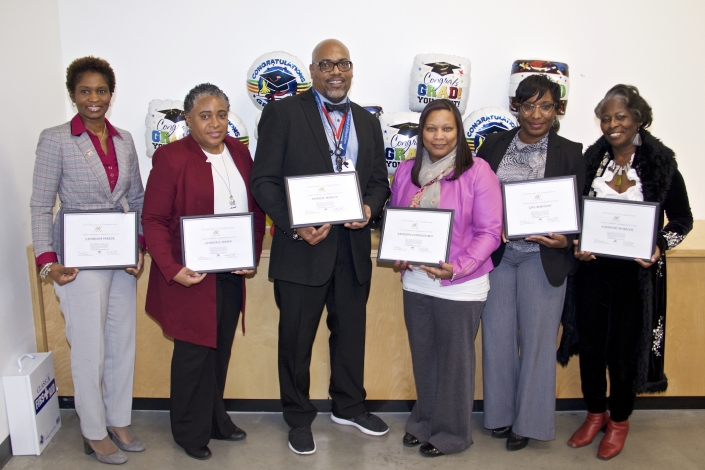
[[32, 403]]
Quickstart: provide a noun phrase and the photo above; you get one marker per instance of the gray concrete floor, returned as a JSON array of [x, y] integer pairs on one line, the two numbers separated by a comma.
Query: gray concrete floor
[[665, 440]]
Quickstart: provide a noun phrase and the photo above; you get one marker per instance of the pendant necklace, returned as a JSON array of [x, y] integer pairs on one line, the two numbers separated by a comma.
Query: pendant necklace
[[227, 183], [618, 170]]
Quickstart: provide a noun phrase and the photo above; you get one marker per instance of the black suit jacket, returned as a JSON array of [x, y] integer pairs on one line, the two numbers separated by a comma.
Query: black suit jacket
[[563, 158], [292, 142]]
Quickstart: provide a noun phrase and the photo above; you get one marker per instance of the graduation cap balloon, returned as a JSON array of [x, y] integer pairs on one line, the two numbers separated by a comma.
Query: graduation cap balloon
[[485, 121], [556, 71], [400, 132], [165, 123], [274, 76], [438, 76]]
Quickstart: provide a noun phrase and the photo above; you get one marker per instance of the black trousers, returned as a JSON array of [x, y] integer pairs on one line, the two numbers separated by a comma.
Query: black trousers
[[198, 374], [300, 310], [609, 322]]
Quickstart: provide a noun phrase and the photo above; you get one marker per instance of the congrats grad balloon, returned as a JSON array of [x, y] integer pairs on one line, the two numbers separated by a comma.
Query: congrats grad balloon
[[485, 121], [237, 129], [400, 132], [438, 76], [165, 123], [556, 71], [274, 76]]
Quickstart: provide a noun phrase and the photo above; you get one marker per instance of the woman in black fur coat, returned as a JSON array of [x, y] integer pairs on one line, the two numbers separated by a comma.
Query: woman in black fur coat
[[620, 305]]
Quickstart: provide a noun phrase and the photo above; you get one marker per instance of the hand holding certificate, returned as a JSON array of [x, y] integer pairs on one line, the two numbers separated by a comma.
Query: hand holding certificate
[[540, 207], [417, 236], [619, 229], [218, 243], [99, 239], [330, 198]]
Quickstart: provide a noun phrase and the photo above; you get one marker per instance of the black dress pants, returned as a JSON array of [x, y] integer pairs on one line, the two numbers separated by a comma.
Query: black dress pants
[[300, 310], [609, 322], [198, 374]]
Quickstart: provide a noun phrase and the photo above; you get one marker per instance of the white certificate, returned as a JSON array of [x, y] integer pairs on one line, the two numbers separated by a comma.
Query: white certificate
[[540, 207], [99, 239], [218, 243], [619, 229], [418, 236], [330, 198]]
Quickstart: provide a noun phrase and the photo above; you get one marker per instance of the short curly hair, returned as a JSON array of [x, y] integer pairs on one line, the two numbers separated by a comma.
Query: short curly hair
[[200, 91], [635, 103], [79, 66]]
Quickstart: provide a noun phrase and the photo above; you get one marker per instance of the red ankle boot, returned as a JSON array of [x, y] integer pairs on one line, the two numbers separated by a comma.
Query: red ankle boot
[[594, 422], [613, 442]]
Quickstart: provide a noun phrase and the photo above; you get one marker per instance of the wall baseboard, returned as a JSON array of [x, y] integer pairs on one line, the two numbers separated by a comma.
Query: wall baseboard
[[5, 452], [404, 406]]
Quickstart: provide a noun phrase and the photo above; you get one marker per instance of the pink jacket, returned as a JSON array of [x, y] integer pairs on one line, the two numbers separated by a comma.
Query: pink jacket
[[477, 222]]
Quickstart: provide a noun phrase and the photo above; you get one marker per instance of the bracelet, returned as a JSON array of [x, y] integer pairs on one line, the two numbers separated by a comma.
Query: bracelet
[[296, 236], [44, 272]]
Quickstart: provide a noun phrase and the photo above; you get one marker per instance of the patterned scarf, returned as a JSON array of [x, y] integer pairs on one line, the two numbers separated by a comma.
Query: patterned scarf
[[429, 195]]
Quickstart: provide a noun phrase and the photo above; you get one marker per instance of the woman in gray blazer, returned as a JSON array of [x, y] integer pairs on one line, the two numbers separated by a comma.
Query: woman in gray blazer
[[92, 165]]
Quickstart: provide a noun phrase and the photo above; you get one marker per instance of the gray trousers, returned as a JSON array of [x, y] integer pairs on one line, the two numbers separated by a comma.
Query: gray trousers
[[442, 339], [99, 308], [519, 330]]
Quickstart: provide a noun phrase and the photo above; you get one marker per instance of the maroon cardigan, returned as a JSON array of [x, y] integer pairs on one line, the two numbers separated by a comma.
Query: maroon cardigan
[[181, 184]]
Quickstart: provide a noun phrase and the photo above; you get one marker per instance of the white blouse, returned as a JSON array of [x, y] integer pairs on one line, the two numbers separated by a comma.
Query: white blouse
[[224, 170], [417, 280]]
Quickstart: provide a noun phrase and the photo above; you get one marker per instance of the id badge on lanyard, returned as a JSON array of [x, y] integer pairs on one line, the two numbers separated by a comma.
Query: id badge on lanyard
[[340, 136]]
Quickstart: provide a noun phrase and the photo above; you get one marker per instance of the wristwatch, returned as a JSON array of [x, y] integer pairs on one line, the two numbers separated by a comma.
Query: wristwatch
[[44, 272]]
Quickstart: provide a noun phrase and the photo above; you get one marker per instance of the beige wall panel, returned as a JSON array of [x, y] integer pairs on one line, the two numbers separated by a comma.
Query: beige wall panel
[[388, 371]]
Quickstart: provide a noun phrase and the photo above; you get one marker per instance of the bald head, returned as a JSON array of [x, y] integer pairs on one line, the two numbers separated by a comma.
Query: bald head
[[333, 85], [322, 47]]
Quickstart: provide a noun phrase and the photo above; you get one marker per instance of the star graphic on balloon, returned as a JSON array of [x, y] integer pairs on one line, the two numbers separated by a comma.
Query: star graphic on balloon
[[443, 68]]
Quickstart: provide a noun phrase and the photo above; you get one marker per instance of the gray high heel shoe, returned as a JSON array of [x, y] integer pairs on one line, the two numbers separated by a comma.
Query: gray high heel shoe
[[135, 446], [118, 458]]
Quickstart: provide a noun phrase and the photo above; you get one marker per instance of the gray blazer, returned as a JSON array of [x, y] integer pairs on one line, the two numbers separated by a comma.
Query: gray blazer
[[70, 166]]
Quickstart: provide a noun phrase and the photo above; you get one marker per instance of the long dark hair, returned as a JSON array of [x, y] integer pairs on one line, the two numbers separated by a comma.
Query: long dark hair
[[463, 156]]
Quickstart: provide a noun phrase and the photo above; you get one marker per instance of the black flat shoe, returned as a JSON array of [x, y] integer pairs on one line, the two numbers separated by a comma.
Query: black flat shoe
[[410, 440], [199, 453], [237, 435], [428, 450], [501, 433], [516, 442]]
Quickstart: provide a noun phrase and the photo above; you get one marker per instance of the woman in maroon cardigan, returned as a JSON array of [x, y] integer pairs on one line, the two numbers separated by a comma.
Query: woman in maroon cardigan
[[203, 173]]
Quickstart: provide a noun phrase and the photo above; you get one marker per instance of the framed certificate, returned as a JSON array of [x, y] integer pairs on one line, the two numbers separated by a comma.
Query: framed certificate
[[218, 243], [540, 207], [619, 229], [329, 198], [417, 236], [101, 239]]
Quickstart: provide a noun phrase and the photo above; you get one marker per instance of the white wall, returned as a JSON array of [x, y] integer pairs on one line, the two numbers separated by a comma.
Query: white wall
[[160, 49], [31, 95]]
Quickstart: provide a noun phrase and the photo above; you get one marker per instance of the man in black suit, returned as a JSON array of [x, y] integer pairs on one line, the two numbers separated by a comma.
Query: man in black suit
[[321, 131]]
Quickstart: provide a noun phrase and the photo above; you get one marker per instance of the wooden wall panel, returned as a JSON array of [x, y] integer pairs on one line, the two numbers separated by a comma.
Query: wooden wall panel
[[388, 372]]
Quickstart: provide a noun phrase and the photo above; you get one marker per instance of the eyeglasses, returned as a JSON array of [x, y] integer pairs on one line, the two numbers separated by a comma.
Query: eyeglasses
[[528, 108], [328, 66]]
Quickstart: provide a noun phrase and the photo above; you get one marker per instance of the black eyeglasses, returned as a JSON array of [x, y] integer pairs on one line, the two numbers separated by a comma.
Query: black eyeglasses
[[528, 108], [328, 66]]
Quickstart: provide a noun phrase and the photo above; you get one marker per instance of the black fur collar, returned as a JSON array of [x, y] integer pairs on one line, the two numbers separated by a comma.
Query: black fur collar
[[654, 162]]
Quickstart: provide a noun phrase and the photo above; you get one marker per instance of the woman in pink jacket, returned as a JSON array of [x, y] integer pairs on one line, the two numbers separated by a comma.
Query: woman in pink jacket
[[442, 306]]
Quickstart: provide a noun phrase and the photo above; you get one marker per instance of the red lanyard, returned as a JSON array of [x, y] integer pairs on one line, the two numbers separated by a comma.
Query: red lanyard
[[330, 121]]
